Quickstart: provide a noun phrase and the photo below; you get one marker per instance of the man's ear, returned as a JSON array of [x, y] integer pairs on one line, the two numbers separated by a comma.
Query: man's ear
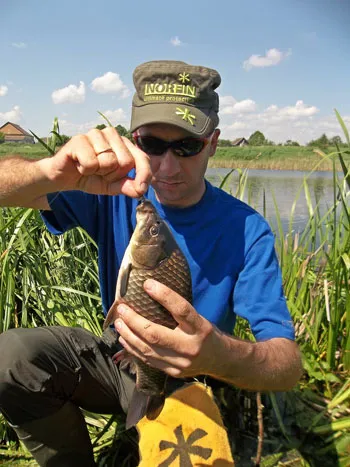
[[214, 142]]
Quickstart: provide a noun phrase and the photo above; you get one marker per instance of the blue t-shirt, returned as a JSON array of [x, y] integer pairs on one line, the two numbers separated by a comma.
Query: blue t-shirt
[[228, 245]]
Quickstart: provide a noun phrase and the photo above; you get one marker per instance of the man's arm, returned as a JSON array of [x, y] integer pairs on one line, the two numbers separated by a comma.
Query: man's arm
[[196, 347], [98, 163], [273, 365], [23, 183]]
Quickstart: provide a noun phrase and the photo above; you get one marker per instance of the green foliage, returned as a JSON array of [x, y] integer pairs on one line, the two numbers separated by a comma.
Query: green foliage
[[336, 141], [224, 143], [289, 142], [321, 142], [124, 132], [101, 126], [2, 137], [120, 129], [63, 139], [257, 139]]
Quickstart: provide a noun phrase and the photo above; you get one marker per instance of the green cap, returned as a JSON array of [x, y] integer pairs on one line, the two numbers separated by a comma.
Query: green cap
[[176, 93]]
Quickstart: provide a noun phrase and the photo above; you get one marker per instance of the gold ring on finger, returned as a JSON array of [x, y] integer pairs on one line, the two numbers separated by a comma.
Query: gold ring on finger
[[105, 150]]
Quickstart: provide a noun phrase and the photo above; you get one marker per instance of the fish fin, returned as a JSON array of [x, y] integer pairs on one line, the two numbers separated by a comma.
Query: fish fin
[[112, 315], [123, 274], [141, 405], [120, 357], [124, 280], [125, 360], [155, 406]]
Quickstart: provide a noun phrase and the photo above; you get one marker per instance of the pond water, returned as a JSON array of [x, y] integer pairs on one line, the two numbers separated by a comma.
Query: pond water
[[285, 186]]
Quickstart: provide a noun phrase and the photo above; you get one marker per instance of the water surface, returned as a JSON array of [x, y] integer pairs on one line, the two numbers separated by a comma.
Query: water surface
[[285, 186]]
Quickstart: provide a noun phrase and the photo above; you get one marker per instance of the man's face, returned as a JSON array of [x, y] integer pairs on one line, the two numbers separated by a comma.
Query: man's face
[[178, 181]]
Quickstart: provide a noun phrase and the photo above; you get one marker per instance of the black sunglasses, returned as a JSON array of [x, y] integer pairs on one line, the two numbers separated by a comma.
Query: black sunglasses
[[186, 147]]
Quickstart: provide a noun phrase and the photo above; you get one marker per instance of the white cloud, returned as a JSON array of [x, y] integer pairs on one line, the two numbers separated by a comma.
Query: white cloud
[[175, 41], [14, 115], [72, 94], [272, 57], [3, 90], [245, 106], [292, 111], [19, 45], [235, 126], [226, 101], [299, 122], [116, 117], [110, 83]]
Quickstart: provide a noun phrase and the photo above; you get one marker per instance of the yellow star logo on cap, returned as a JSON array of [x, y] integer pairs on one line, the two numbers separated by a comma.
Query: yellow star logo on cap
[[186, 115], [184, 77]]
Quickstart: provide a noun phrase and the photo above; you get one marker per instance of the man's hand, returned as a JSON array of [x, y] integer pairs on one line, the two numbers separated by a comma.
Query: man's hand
[[184, 351], [196, 347], [98, 163]]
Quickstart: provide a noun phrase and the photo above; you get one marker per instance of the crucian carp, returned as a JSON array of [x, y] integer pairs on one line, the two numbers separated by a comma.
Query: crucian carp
[[151, 254]]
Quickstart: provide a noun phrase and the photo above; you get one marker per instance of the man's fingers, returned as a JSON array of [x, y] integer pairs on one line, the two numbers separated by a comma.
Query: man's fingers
[[163, 358], [83, 153], [116, 142], [108, 164], [183, 312], [125, 186], [98, 141], [152, 333], [104, 159], [142, 166]]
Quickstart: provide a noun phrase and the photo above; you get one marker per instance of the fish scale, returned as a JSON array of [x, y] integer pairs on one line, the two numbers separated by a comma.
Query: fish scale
[[171, 273]]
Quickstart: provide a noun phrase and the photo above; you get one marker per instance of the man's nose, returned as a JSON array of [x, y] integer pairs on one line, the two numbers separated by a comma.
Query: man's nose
[[170, 163]]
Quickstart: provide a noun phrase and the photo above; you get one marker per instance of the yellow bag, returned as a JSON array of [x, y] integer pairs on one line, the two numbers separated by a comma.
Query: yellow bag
[[188, 432]]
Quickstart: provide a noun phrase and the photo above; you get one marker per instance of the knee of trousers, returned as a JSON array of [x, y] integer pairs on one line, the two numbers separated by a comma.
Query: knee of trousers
[[16, 354], [28, 363], [33, 382]]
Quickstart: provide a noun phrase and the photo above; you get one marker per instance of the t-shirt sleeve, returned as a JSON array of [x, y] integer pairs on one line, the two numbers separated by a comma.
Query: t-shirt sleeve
[[71, 209], [258, 294]]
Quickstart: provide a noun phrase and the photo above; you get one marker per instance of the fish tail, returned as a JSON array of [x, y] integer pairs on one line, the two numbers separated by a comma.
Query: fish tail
[[141, 405]]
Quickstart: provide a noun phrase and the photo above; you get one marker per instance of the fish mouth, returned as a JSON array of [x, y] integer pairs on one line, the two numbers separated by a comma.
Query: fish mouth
[[145, 212]]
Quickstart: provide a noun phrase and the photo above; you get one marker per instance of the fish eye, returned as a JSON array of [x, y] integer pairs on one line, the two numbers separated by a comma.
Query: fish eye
[[154, 230]]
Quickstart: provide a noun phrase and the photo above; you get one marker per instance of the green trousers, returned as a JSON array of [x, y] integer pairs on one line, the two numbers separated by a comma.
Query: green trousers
[[46, 375]]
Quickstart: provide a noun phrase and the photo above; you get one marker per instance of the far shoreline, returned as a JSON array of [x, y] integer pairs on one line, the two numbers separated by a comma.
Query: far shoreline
[[278, 165], [301, 158]]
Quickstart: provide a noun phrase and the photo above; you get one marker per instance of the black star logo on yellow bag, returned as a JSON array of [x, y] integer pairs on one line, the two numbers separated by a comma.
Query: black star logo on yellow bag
[[183, 449]]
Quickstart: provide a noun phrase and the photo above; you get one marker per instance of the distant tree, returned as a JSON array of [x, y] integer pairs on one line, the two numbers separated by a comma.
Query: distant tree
[[224, 143], [336, 141], [321, 142], [2, 137], [290, 142], [64, 139], [257, 139], [120, 129], [124, 132], [101, 126], [269, 143]]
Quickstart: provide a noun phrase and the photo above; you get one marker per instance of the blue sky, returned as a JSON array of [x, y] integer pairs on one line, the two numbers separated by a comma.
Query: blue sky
[[285, 65]]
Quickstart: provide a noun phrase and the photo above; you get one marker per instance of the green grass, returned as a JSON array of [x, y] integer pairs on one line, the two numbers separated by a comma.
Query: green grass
[[27, 150], [277, 158], [262, 157]]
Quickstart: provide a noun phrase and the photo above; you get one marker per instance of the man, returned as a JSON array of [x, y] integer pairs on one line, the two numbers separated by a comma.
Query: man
[[46, 374]]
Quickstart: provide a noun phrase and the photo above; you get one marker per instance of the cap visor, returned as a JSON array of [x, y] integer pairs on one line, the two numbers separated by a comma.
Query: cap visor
[[197, 123]]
